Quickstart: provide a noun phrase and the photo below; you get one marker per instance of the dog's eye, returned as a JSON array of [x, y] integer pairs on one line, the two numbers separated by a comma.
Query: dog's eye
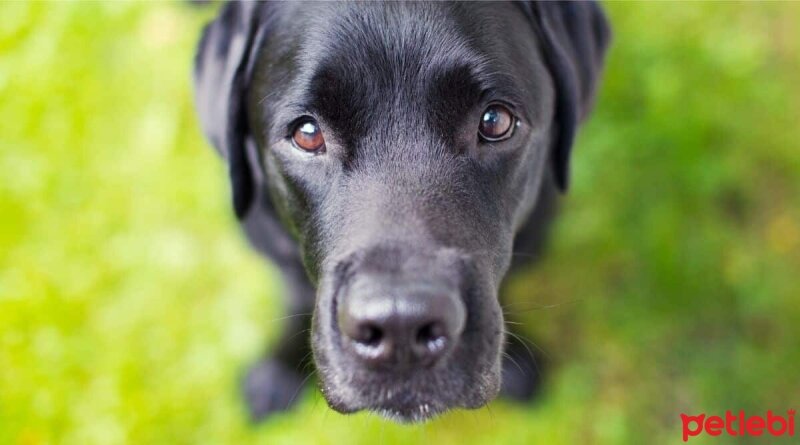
[[307, 136], [497, 123]]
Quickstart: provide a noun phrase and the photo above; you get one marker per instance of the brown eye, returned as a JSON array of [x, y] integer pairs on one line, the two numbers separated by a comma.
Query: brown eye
[[308, 136], [497, 123]]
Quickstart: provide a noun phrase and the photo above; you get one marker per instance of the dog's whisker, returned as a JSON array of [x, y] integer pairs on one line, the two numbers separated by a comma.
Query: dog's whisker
[[513, 303], [301, 332], [526, 255], [541, 307], [491, 414], [306, 363], [305, 314], [316, 401], [302, 384], [508, 356], [524, 340], [531, 354]]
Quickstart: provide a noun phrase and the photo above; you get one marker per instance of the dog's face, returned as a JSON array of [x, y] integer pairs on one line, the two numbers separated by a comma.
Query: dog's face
[[402, 142], [402, 145]]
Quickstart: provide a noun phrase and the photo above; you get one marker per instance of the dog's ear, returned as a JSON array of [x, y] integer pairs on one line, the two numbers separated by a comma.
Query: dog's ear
[[223, 64], [574, 37]]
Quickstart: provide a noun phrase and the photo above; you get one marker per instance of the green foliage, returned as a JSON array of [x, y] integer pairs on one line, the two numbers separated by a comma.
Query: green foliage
[[129, 302]]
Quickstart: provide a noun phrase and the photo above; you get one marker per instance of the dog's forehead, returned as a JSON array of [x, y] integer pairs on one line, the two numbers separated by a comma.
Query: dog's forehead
[[380, 50], [365, 57], [393, 36]]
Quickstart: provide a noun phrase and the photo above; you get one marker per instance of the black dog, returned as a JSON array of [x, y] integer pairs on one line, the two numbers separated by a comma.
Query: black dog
[[390, 157]]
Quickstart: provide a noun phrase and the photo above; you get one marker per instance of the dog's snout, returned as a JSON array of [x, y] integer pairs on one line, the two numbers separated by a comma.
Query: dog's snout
[[398, 325]]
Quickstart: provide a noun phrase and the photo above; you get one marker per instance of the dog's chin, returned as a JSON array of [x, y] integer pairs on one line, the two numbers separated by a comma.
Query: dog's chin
[[404, 405], [416, 414], [411, 410]]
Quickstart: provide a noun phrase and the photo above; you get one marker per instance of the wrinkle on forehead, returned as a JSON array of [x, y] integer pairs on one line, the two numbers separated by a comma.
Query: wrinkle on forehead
[[370, 59]]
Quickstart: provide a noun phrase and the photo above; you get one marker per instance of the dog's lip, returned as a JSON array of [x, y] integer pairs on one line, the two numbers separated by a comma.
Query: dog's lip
[[418, 410], [398, 403], [421, 413]]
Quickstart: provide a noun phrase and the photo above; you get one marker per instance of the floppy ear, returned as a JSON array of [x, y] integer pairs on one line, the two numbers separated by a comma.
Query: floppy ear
[[574, 38], [223, 64]]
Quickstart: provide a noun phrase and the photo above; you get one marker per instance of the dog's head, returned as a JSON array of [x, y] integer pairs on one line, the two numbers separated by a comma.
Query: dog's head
[[402, 145]]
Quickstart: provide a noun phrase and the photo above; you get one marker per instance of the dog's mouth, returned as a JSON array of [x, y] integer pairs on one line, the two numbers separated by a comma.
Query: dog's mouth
[[414, 399], [421, 398], [398, 404], [413, 413]]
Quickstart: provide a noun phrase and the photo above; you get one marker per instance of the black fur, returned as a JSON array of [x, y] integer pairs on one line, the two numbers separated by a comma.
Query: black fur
[[406, 194]]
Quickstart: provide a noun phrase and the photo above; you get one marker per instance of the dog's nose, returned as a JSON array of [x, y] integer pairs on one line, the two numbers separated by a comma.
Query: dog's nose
[[402, 325]]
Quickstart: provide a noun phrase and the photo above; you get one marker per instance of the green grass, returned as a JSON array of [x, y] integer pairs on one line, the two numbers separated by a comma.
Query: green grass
[[130, 304]]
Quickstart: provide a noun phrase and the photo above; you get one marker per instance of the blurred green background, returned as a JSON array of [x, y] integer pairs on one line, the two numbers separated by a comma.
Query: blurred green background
[[130, 303]]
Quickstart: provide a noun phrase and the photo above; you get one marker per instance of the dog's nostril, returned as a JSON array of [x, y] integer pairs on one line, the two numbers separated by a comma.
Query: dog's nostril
[[369, 335], [384, 324], [432, 336]]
